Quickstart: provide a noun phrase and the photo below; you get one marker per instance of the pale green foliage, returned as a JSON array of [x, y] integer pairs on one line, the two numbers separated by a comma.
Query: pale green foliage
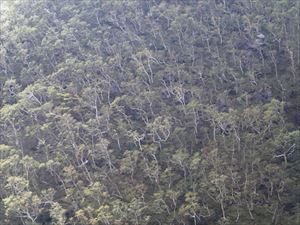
[[142, 112]]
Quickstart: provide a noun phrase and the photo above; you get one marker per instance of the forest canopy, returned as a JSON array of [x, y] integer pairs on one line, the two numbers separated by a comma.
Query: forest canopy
[[150, 112]]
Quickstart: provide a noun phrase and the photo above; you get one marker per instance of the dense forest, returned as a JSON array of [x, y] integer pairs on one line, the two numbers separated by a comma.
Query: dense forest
[[150, 112]]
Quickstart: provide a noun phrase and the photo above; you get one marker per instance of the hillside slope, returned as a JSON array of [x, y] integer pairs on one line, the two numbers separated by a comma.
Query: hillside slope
[[150, 112]]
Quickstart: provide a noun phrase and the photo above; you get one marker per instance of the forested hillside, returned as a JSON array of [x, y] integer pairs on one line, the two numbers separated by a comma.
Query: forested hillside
[[150, 112]]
